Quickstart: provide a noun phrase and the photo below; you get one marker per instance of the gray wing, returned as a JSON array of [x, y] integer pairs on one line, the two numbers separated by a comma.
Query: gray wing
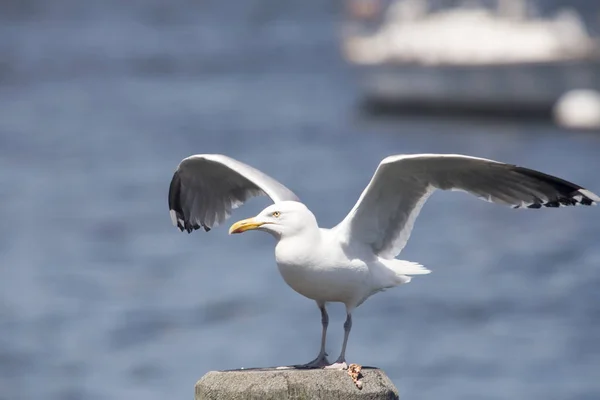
[[206, 187], [385, 213]]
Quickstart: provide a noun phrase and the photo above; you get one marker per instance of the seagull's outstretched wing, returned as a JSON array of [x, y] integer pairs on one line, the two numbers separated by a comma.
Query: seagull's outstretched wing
[[385, 213], [206, 187]]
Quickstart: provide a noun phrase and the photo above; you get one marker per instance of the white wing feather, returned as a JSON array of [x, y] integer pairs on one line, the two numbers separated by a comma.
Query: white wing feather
[[384, 215], [206, 187]]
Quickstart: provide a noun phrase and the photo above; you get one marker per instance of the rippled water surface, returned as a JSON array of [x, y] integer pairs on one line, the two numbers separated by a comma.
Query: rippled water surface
[[101, 298]]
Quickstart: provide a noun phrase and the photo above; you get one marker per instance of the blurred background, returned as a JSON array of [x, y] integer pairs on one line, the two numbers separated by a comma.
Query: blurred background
[[102, 298]]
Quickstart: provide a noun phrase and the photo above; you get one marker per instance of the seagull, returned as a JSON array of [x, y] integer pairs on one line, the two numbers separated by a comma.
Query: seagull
[[357, 258]]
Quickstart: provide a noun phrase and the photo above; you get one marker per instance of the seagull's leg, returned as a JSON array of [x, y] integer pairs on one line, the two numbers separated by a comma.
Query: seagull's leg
[[340, 363], [321, 359], [324, 323]]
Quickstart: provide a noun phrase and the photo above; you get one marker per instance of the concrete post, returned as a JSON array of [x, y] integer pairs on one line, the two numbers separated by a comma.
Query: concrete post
[[297, 384]]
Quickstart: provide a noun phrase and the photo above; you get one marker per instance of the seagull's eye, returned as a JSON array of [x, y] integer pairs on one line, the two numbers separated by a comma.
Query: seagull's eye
[[276, 214]]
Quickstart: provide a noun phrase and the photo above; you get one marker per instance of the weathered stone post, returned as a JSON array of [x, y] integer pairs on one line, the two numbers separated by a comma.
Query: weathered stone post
[[292, 383]]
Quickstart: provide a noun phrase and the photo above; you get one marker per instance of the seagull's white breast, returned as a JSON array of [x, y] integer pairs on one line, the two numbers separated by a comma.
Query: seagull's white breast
[[321, 271]]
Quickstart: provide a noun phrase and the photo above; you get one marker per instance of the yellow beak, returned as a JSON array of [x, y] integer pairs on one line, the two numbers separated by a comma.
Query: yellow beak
[[245, 225]]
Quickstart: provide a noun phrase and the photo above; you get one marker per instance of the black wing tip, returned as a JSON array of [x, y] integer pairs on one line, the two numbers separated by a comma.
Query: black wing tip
[[187, 226], [176, 211], [578, 197], [183, 225], [175, 193], [567, 193], [190, 228]]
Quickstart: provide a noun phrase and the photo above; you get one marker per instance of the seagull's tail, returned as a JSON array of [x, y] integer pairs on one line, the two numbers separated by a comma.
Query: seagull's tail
[[402, 267], [390, 273]]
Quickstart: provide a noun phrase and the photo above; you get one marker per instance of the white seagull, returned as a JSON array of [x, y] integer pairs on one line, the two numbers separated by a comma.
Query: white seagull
[[356, 258]]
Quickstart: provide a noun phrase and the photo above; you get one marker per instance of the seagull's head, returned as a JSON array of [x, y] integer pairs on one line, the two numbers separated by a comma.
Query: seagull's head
[[283, 219]]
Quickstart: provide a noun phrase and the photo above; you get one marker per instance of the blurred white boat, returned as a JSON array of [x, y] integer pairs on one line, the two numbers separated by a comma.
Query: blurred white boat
[[409, 51], [471, 35]]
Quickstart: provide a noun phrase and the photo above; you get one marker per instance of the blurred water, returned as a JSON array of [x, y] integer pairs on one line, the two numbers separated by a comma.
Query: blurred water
[[101, 298]]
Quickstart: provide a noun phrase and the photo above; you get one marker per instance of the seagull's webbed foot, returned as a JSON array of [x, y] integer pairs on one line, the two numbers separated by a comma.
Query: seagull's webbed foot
[[339, 364], [319, 362]]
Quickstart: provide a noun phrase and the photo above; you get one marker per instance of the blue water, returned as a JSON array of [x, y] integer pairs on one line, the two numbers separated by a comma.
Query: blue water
[[102, 298]]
